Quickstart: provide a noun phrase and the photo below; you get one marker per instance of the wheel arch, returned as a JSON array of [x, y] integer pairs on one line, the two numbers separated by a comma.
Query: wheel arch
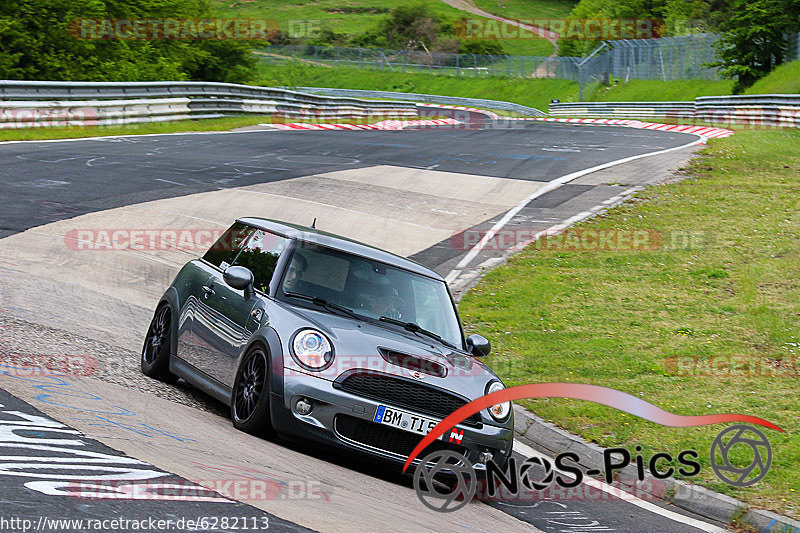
[[269, 340], [170, 298]]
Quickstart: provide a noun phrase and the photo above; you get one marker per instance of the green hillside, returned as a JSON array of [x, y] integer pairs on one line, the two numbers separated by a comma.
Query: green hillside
[[783, 80], [297, 18]]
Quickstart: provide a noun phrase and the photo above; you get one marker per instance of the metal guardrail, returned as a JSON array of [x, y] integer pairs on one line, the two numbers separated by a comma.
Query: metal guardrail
[[625, 109], [46, 103], [430, 99], [762, 110], [780, 110]]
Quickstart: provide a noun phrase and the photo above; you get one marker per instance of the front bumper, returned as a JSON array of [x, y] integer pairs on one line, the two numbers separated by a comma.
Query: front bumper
[[346, 420]]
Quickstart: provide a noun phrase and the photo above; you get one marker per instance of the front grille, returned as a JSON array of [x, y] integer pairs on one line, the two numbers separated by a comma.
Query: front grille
[[387, 439], [406, 393]]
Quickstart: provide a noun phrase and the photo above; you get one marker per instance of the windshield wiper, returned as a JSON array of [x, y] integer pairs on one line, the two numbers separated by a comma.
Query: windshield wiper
[[322, 302], [416, 328]]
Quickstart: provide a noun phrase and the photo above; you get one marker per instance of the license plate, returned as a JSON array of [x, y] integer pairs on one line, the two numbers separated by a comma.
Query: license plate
[[404, 420]]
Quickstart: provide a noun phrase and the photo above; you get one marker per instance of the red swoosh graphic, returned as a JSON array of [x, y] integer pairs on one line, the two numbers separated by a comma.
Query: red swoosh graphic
[[591, 393]]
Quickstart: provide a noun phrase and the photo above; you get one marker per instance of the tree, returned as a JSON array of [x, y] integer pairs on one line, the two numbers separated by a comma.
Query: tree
[[685, 17], [755, 39], [603, 10], [36, 43], [410, 26]]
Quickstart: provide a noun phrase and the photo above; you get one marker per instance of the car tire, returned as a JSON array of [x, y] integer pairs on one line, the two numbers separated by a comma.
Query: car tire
[[157, 346], [250, 396]]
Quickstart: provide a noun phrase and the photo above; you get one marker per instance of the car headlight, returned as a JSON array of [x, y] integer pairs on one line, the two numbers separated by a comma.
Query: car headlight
[[499, 411], [312, 350]]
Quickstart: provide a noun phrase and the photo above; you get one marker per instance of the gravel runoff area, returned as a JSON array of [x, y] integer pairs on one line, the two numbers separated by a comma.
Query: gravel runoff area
[[24, 343]]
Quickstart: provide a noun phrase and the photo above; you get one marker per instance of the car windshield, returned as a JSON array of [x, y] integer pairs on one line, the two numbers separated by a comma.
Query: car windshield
[[370, 289]]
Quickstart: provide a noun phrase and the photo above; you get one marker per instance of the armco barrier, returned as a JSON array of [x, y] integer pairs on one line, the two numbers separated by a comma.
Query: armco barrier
[[760, 110], [429, 99], [778, 110], [625, 109], [45, 103]]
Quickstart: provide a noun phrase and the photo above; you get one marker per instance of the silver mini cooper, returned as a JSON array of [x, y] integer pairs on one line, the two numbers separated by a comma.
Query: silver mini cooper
[[309, 335]]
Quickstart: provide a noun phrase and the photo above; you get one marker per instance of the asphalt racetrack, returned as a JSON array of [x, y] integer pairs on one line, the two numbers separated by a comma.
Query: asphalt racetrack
[[45, 182], [408, 191]]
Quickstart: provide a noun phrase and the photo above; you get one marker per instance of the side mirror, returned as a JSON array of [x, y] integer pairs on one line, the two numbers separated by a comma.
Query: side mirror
[[478, 345], [240, 278]]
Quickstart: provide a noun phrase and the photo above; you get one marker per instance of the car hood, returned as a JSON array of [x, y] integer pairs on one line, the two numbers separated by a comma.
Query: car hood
[[358, 345]]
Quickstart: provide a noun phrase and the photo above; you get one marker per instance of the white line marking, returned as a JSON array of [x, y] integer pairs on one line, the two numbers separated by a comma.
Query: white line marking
[[555, 229], [172, 182], [452, 276], [555, 184], [527, 451]]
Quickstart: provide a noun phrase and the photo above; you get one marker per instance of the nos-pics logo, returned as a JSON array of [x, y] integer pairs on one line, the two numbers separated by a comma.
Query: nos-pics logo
[[740, 455], [445, 480]]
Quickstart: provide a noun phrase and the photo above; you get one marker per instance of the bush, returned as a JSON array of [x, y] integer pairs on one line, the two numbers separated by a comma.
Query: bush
[[482, 47], [35, 44]]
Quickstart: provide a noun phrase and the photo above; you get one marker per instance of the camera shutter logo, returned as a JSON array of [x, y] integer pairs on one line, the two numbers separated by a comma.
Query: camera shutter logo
[[744, 436], [443, 461], [525, 473]]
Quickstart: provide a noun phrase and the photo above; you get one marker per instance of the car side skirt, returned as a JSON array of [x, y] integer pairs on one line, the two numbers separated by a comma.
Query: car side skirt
[[200, 379]]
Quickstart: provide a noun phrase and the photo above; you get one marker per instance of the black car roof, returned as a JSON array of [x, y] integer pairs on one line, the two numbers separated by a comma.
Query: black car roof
[[331, 240]]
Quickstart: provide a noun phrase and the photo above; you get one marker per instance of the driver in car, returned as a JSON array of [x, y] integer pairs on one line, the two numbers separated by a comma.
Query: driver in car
[[386, 303], [292, 281]]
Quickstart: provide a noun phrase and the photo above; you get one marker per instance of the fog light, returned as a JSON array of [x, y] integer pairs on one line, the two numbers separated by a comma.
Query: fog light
[[303, 406], [485, 456]]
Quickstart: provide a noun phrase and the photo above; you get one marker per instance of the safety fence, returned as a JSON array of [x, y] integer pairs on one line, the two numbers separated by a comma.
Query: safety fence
[[665, 58]]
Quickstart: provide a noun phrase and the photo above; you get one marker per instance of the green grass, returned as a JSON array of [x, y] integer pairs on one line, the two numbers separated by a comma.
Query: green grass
[[612, 318], [527, 9], [783, 80], [295, 16], [526, 91], [292, 15], [214, 124], [660, 91], [530, 92], [178, 126]]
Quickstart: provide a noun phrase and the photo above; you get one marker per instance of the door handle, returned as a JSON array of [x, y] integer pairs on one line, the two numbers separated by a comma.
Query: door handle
[[208, 289], [257, 314]]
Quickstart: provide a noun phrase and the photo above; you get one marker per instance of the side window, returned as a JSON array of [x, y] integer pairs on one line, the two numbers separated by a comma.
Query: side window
[[260, 254], [223, 251]]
